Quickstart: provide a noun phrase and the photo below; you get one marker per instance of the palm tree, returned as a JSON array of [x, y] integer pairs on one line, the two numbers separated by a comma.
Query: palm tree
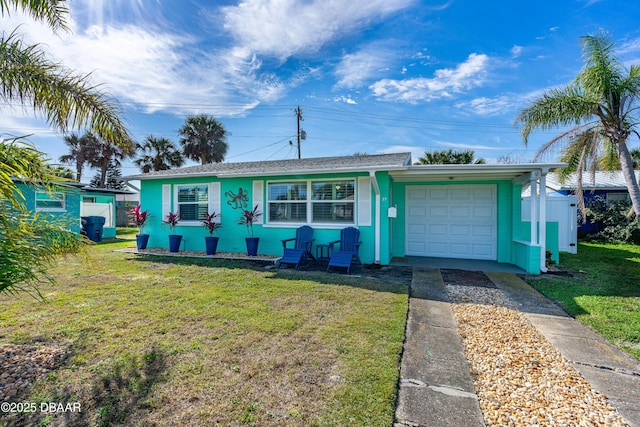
[[80, 152], [599, 103], [204, 139], [449, 157], [105, 152], [158, 154]]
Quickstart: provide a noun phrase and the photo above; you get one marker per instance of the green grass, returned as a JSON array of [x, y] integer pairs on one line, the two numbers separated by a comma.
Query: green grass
[[156, 341], [604, 293]]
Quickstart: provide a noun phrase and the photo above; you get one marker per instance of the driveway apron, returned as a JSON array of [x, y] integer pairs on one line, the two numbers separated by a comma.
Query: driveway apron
[[436, 388]]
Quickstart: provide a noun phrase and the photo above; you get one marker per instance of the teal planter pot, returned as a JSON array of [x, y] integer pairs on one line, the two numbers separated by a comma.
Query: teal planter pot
[[174, 242], [211, 244], [252, 245], [142, 240]]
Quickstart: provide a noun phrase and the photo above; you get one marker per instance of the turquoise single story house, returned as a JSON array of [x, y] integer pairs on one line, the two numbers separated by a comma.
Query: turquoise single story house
[[401, 209]]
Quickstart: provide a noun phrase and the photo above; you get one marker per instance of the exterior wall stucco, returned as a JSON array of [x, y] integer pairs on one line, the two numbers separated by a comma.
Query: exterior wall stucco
[[70, 217], [231, 234]]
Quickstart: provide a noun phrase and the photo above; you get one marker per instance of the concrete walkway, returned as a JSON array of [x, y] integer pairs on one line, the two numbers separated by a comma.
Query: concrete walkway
[[436, 388]]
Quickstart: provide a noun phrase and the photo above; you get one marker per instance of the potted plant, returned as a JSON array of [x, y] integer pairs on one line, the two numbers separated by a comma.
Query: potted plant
[[174, 239], [248, 218], [212, 225], [139, 218]]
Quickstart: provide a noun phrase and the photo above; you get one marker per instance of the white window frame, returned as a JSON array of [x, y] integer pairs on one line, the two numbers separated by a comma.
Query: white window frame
[[176, 204], [305, 201], [51, 196], [310, 202]]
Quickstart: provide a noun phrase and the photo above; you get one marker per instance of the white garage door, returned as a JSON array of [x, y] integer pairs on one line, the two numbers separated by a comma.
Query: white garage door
[[452, 221]]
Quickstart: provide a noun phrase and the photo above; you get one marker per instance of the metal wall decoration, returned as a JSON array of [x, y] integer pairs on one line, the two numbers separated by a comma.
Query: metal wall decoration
[[237, 201]]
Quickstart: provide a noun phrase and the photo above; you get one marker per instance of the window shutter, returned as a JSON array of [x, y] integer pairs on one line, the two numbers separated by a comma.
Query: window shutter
[[364, 200], [214, 199], [258, 198], [166, 200]]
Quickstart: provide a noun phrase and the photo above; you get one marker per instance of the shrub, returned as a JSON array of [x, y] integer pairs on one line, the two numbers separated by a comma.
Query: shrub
[[616, 220]]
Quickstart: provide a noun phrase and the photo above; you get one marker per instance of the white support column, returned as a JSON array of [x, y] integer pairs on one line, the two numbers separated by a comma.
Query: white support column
[[543, 222], [534, 209], [376, 190]]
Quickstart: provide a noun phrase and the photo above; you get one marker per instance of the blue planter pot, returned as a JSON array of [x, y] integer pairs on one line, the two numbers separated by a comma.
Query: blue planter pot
[[212, 244], [142, 240], [174, 242], [252, 245]]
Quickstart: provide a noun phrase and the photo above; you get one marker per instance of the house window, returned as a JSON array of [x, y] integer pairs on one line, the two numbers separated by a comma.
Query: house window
[[333, 201], [311, 202], [193, 202], [50, 202], [288, 202]]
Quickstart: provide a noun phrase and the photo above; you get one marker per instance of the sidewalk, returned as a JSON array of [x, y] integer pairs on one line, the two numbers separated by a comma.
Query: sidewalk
[[436, 388]]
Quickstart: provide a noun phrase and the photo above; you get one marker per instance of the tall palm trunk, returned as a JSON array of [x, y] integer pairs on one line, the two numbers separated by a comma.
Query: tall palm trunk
[[626, 165]]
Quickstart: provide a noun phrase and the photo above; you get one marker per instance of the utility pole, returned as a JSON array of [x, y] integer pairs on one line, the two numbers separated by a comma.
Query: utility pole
[[298, 112]]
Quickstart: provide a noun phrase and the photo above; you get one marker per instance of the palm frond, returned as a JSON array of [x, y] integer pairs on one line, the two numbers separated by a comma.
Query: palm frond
[[557, 107], [65, 99], [53, 12]]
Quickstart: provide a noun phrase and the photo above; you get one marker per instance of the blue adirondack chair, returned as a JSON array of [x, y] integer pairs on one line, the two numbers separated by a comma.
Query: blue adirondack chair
[[347, 254], [301, 248]]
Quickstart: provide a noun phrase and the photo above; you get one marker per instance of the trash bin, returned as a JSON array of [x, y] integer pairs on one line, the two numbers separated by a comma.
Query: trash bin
[[93, 227]]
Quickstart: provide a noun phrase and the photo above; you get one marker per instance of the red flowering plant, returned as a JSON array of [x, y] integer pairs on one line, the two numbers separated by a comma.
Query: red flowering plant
[[249, 217], [172, 219], [210, 222], [138, 217]]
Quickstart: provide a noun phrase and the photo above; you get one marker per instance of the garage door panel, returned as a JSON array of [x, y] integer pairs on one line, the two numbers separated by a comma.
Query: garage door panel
[[482, 231], [459, 195], [458, 221], [420, 229], [438, 229], [482, 251], [438, 249], [460, 230], [482, 193]]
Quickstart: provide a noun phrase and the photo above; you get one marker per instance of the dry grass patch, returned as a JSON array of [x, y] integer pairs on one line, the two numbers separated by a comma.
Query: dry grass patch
[[155, 341]]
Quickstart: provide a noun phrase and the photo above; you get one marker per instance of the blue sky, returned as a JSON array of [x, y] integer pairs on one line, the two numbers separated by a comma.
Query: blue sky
[[370, 76]]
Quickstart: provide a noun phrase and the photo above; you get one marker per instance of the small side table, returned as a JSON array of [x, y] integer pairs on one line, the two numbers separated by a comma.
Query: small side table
[[322, 252]]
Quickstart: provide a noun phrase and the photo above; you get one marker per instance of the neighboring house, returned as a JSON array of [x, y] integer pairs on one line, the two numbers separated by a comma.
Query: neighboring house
[[611, 186], [61, 203], [453, 211], [70, 201], [102, 202]]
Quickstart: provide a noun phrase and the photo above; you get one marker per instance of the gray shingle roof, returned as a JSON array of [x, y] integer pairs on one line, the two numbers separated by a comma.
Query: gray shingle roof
[[285, 167]]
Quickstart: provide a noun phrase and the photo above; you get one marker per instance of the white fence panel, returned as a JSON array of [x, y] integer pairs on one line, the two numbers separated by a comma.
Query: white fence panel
[[563, 210], [99, 209]]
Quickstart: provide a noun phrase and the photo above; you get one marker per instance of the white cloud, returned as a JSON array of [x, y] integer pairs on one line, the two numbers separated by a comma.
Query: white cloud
[[346, 99], [463, 146], [282, 28], [469, 74], [489, 106], [356, 68], [516, 51]]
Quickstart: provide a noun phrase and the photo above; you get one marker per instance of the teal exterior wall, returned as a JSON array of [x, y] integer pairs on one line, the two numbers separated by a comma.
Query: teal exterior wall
[[232, 235], [512, 234], [70, 216]]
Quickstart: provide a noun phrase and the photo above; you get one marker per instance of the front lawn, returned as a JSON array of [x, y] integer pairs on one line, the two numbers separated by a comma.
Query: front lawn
[[604, 293], [172, 341]]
